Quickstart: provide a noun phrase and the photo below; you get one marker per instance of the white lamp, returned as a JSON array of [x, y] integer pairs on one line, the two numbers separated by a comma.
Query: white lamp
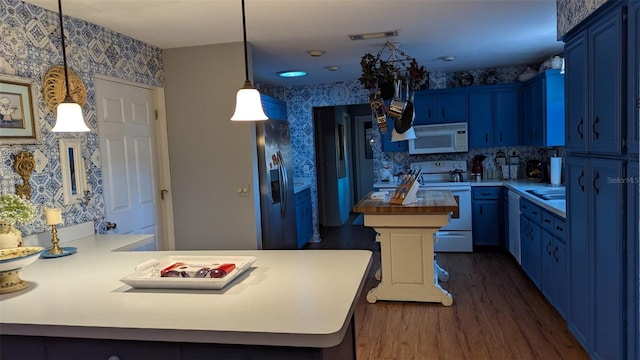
[[68, 113], [248, 102]]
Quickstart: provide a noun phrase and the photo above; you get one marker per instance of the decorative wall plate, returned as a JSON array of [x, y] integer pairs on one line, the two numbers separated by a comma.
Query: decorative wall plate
[[54, 88], [339, 93]]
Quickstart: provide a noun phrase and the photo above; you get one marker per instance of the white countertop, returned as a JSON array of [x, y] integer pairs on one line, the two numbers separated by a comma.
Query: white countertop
[[300, 184], [287, 298], [558, 207]]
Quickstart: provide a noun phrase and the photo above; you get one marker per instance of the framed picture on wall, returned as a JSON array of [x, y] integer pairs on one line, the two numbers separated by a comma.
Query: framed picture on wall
[[18, 115]]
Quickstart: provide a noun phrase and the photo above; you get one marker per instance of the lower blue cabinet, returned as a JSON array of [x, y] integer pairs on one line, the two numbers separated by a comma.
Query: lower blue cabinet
[[487, 216], [304, 218]]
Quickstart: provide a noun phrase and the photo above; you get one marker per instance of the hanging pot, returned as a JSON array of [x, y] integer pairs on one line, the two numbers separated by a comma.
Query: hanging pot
[[386, 90], [397, 106], [404, 123]]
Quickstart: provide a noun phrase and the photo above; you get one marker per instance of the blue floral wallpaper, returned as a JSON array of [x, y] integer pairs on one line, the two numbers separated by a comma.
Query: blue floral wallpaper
[[29, 45]]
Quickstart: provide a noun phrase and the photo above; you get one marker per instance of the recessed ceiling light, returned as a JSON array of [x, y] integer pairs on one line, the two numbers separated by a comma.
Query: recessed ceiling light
[[332, 68], [377, 35], [292, 73], [316, 53], [447, 57]]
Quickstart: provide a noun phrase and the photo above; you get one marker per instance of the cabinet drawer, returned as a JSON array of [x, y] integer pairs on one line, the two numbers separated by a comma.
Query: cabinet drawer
[[492, 193], [559, 228], [530, 210], [547, 221]]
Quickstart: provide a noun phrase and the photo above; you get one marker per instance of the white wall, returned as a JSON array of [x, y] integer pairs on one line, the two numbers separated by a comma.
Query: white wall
[[210, 156]]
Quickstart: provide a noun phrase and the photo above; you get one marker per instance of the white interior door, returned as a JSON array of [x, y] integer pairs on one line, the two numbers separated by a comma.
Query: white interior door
[[128, 150]]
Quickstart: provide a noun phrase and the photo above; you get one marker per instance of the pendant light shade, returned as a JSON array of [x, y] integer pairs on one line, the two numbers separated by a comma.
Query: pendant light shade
[[248, 102], [68, 113], [69, 117]]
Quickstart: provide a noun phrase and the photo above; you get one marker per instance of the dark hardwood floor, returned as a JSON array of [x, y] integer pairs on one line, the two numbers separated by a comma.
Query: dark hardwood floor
[[497, 312]]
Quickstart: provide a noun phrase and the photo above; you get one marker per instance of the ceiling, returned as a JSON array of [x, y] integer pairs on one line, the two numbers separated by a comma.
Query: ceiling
[[478, 33]]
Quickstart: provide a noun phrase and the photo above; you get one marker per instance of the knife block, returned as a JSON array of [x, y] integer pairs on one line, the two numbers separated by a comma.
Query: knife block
[[406, 193]]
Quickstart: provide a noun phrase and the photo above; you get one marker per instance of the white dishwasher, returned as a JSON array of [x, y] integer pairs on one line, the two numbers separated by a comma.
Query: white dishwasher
[[514, 225]]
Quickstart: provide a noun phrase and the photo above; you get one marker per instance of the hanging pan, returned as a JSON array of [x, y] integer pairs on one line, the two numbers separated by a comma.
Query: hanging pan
[[404, 122]]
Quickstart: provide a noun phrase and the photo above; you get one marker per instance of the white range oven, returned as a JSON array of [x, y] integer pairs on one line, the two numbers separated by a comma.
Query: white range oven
[[436, 175]]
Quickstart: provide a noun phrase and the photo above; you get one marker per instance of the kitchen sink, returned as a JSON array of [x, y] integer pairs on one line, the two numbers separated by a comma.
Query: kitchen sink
[[549, 194]]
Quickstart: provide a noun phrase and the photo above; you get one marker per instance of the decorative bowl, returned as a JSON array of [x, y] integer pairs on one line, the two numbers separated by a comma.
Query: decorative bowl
[[12, 260]]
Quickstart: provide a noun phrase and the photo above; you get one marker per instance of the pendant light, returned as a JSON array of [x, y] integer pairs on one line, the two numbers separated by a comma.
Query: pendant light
[[248, 102], [68, 113]]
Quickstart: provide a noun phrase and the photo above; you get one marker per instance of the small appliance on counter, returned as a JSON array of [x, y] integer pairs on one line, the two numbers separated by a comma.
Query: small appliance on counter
[[535, 170], [476, 167]]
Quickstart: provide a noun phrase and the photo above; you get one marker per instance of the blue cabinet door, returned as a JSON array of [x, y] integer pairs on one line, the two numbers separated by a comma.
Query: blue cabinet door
[[633, 269], [575, 76], [605, 53], [633, 86], [560, 291], [424, 105], [531, 240], [607, 222], [579, 245], [486, 227], [453, 106], [507, 116], [480, 119], [533, 111], [546, 268]]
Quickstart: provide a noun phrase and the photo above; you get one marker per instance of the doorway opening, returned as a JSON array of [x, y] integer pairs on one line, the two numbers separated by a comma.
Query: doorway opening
[[344, 160]]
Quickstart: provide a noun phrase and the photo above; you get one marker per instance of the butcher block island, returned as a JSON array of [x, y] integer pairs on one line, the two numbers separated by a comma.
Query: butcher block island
[[409, 271], [289, 304]]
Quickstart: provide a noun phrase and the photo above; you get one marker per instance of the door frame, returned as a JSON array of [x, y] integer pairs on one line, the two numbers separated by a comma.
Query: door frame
[[162, 151]]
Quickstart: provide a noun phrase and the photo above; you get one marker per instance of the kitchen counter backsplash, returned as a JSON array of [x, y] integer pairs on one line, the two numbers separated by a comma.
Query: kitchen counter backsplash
[[400, 162]]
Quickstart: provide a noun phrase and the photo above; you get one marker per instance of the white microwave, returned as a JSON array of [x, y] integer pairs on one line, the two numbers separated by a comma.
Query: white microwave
[[440, 138]]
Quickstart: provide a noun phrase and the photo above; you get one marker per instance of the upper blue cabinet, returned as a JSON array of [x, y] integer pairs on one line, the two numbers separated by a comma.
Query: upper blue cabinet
[[633, 85], [594, 72], [494, 114], [441, 106], [543, 105]]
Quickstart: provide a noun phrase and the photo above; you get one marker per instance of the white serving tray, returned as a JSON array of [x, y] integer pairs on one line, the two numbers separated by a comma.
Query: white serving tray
[[147, 274]]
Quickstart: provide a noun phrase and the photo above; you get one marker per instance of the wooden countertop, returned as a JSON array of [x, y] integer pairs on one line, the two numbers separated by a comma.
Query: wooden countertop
[[429, 202]]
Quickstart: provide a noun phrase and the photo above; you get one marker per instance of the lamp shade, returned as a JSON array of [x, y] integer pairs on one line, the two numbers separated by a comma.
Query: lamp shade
[[69, 117], [248, 105], [407, 135]]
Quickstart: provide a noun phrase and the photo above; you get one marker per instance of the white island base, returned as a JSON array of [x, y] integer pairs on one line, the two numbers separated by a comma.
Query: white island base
[[408, 271]]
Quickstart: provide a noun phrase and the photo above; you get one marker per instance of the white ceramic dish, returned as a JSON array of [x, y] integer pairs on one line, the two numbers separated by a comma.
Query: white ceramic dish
[[19, 257], [147, 274]]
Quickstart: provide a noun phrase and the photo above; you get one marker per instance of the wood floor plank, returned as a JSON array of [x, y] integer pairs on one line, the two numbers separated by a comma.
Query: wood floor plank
[[497, 312]]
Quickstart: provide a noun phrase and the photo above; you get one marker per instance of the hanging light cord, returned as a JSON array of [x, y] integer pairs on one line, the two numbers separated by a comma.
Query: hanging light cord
[[244, 34], [64, 52]]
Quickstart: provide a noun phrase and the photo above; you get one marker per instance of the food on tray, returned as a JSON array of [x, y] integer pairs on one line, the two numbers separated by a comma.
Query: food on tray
[[185, 270], [222, 270]]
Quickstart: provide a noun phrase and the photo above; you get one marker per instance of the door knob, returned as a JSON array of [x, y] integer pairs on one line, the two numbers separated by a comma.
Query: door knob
[[111, 226]]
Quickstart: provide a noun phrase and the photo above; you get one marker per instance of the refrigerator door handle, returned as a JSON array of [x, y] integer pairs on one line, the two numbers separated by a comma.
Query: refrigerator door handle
[[284, 185]]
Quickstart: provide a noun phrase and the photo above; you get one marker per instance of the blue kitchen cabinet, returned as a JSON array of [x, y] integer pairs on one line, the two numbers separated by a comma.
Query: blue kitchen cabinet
[[494, 114], [441, 106], [553, 277], [594, 64], [633, 85], [543, 108], [304, 218], [633, 270], [274, 108], [596, 234], [487, 219], [392, 146], [531, 240]]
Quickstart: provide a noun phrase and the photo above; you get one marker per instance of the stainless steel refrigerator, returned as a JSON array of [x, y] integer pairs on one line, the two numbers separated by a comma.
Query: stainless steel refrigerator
[[277, 205]]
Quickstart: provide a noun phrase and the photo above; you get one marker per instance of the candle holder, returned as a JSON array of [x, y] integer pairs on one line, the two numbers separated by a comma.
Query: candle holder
[[54, 217]]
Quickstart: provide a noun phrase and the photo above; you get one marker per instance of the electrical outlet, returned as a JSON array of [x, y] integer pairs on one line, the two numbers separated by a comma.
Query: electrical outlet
[[243, 191]]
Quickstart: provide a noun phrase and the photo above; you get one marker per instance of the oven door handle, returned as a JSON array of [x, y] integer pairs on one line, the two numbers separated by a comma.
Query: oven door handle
[[436, 188], [447, 234]]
